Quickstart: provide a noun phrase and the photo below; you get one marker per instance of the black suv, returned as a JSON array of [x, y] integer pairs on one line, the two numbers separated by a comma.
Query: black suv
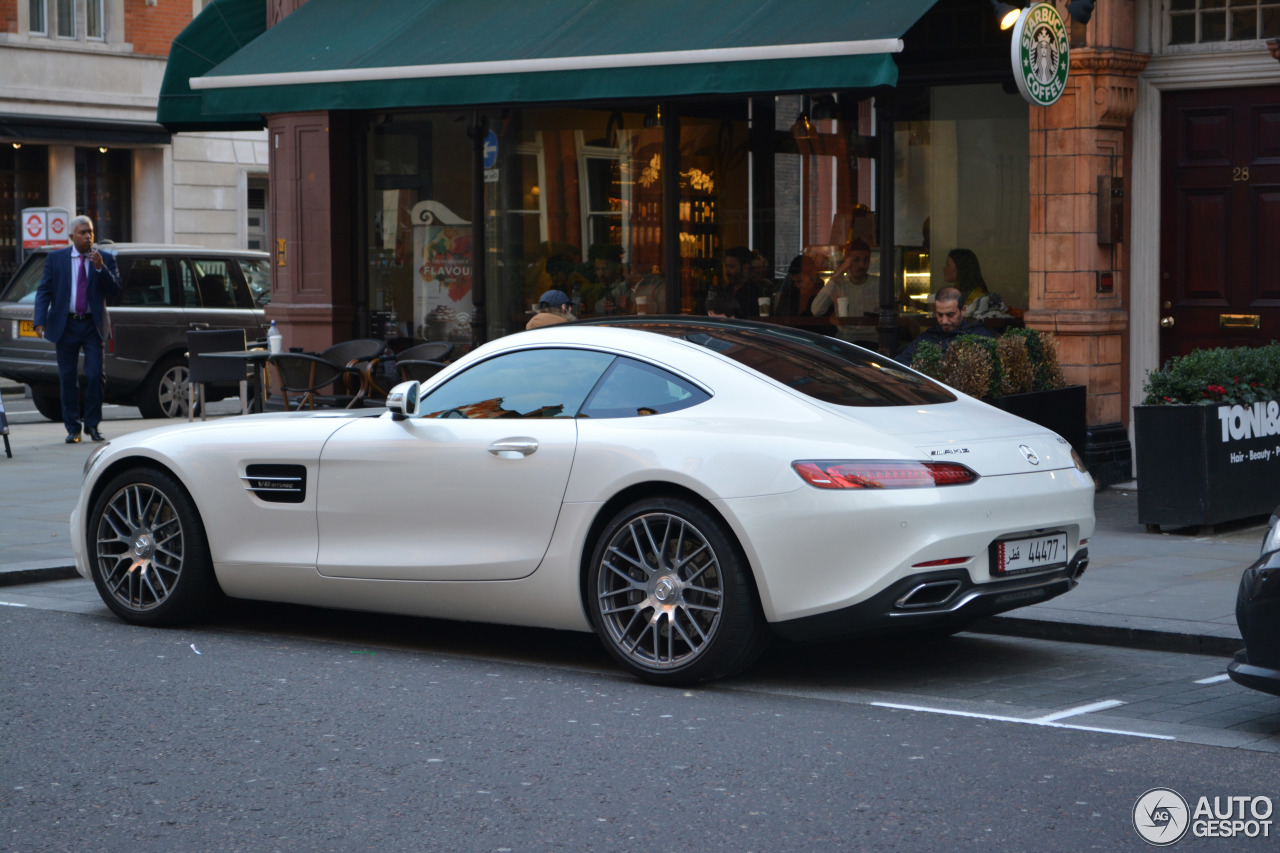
[[166, 291]]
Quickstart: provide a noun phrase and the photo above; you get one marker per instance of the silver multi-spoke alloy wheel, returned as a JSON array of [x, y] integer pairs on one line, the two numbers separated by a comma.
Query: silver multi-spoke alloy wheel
[[660, 590], [171, 391], [147, 549], [669, 594], [139, 546]]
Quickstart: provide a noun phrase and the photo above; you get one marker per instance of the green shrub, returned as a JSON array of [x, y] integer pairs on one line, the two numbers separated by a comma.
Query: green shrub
[[1209, 377], [1021, 360]]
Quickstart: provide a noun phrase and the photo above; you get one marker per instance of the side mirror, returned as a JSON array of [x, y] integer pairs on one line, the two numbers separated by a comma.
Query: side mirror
[[403, 400]]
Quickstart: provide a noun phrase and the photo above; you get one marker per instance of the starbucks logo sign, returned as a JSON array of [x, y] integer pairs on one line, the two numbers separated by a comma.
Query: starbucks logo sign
[[1040, 54]]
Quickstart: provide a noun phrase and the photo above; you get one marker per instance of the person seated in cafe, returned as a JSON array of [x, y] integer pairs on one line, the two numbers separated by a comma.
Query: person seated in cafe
[[762, 274], [719, 305], [636, 293], [606, 274], [963, 272], [949, 324], [738, 283], [795, 299], [852, 280], [553, 307]]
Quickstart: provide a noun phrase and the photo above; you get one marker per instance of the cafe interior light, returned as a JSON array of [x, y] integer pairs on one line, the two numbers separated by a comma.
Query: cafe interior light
[[653, 118], [103, 149], [17, 145], [1006, 13]]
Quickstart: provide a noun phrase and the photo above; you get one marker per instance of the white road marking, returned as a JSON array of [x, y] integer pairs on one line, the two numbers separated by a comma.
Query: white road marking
[[1213, 679], [1083, 709], [1035, 721], [11, 604]]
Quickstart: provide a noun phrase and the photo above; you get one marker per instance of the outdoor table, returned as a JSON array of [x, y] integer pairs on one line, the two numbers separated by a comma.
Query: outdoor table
[[257, 359]]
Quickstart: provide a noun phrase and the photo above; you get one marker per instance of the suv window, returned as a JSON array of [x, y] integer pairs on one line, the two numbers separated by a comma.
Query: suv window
[[257, 274], [213, 283], [631, 388], [147, 283], [540, 383]]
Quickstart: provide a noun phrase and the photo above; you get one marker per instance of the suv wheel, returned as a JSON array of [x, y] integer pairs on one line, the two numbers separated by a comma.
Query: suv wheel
[[48, 403], [164, 393]]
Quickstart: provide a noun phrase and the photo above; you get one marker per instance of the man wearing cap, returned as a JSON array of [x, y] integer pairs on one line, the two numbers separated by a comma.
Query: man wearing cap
[[553, 307]]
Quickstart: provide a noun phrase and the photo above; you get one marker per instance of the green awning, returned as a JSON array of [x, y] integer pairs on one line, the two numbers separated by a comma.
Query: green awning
[[221, 29], [382, 54]]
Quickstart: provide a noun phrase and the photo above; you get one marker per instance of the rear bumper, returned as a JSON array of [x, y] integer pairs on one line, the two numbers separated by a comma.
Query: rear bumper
[[941, 600]]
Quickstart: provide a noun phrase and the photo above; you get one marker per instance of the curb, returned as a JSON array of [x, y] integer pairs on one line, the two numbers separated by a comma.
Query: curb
[[35, 573], [1109, 635]]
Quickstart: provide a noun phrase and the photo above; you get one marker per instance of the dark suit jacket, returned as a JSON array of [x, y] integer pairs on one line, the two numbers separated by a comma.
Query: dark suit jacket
[[53, 297]]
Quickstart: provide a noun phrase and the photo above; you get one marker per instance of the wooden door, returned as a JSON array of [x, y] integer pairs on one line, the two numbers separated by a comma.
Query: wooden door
[[1220, 219]]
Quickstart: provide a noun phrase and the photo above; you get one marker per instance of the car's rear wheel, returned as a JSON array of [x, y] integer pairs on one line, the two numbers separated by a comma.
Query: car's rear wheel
[[164, 393], [147, 550], [670, 596]]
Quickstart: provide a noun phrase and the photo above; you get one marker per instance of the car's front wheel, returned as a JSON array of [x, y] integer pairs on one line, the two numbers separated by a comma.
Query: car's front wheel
[[669, 594], [164, 393], [147, 550]]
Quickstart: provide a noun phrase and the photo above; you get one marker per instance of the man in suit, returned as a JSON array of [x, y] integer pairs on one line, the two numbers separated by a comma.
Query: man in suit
[[71, 312]]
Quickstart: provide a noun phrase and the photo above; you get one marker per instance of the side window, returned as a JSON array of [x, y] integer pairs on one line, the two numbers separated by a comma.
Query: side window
[[631, 388], [147, 283], [190, 291], [540, 383], [257, 275], [219, 286]]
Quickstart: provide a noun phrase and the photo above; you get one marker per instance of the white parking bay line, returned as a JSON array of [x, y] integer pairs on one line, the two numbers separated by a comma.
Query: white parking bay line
[[11, 604], [1083, 709], [1213, 679], [1034, 721]]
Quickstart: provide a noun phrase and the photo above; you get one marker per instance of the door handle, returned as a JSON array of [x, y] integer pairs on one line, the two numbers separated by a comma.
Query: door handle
[[1166, 322], [510, 448]]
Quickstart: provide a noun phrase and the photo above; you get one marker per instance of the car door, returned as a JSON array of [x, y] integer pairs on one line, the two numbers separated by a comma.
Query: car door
[[470, 491], [145, 318], [215, 295]]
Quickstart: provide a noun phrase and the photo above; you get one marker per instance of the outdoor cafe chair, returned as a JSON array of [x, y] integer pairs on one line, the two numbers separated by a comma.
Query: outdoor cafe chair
[[306, 376], [357, 359], [202, 370]]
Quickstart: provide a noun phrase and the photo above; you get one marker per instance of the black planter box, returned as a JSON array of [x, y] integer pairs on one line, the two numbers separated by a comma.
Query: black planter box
[[1203, 465], [1061, 410]]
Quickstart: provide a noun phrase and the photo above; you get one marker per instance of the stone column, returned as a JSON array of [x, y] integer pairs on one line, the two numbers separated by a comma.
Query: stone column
[[1083, 137]]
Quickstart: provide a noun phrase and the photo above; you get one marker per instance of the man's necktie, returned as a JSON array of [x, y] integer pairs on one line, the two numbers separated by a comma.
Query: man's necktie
[[82, 290]]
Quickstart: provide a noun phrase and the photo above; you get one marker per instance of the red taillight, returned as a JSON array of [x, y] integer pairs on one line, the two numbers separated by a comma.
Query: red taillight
[[882, 474]]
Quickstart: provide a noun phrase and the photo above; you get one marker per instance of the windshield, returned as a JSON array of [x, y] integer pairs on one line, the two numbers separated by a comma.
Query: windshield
[[827, 369]]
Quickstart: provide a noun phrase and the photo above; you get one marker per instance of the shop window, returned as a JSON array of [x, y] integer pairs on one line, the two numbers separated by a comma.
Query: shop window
[[104, 181], [417, 234], [575, 203], [961, 189], [24, 182], [1205, 21]]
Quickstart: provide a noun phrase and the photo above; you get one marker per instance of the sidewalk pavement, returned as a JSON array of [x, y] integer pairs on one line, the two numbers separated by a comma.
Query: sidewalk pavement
[[1165, 591]]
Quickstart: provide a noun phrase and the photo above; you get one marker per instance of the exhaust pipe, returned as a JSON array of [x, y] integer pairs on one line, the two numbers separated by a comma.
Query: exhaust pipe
[[931, 594]]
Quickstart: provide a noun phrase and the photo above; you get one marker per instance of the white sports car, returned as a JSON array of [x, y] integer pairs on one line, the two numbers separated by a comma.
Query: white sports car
[[683, 487]]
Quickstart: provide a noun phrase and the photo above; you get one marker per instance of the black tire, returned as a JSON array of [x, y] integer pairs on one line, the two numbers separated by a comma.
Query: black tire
[[164, 392], [669, 594], [148, 552], [48, 403]]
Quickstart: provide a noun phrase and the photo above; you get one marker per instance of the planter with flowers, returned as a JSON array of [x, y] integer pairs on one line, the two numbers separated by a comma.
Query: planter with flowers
[[1207, 438], [1018, 372]]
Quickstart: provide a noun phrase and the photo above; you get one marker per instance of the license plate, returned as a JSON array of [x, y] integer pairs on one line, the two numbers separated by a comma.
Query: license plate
[[1031, 554], [26, 329]]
